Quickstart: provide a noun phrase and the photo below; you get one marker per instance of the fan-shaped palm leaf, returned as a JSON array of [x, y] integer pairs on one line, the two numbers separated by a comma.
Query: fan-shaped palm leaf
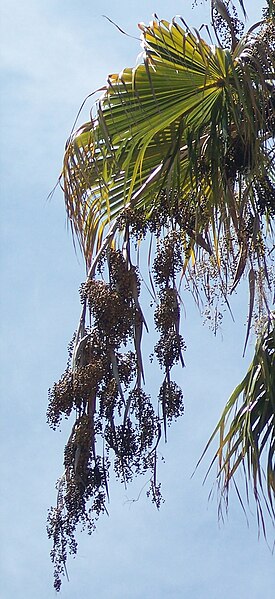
[[180, 113]]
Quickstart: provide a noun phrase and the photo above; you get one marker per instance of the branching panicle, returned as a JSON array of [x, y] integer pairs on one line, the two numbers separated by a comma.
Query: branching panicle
[[103, 387]]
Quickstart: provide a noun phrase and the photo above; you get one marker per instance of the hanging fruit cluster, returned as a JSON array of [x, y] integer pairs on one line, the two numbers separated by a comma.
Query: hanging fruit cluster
[[115, 420]]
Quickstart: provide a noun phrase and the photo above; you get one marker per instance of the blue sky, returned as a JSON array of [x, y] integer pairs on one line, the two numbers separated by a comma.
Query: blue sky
[[53, 55]]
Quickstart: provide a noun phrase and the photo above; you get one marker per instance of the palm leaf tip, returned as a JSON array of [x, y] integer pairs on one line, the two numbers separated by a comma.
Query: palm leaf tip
[[247, 430]]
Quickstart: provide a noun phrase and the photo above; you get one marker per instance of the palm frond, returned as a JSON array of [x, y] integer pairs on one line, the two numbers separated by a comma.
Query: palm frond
[[178, 120], [246, 429]]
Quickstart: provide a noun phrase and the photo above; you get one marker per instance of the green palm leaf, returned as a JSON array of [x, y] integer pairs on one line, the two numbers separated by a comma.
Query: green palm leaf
[[247, 431], [186, 104]]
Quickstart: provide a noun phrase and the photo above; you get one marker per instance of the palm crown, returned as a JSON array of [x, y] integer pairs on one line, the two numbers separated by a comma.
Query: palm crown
[[181, 146]]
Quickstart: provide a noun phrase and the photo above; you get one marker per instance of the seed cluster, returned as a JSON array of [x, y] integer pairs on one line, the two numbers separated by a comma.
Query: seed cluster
[[167, 264], [238, 158], [265, 193], [170, 346], [115, 420], [168, 260], [171, 400], [221, 27]]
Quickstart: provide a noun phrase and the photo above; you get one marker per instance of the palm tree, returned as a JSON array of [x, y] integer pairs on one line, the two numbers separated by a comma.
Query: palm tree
[[180, 150]]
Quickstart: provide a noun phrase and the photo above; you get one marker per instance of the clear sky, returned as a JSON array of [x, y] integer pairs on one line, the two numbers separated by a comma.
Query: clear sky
[[53, 55]]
